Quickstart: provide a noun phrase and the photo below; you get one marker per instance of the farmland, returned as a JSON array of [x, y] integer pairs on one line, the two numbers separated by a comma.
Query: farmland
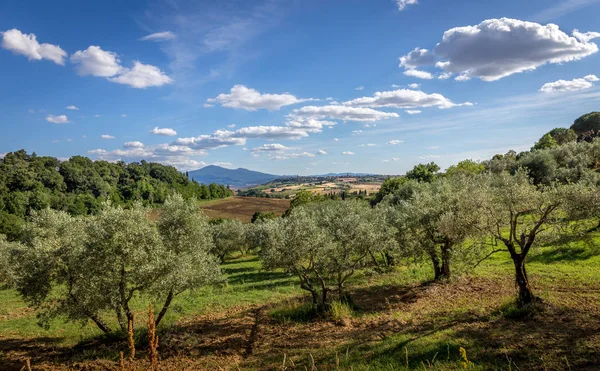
[[242, 208]]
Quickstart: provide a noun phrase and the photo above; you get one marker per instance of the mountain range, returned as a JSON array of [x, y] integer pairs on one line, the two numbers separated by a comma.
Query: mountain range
[[242, 178]]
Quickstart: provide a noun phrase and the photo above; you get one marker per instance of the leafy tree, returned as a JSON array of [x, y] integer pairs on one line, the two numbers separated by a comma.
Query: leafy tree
[[324, 243], [424, 172], [263, 215], [389, 186], [466, 167], [439, 221], [228, 236], [546, 142], [518, 214], [563, 135], [587, 122], [186, 235]]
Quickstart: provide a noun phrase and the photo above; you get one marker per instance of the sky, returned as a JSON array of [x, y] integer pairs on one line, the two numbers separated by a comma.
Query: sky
[[294, 86]]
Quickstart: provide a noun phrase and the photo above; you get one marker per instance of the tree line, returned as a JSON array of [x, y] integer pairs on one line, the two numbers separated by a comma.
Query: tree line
[[79, 186]]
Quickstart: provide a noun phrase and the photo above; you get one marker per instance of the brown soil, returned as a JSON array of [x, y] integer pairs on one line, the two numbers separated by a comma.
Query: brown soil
[[243, 208]]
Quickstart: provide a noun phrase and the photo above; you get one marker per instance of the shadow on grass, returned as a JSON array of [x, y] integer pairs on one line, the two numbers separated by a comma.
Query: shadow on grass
[[566, 254], [259, 277]]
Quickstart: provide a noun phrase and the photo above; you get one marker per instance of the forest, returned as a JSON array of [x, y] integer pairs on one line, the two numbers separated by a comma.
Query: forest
[[79, 186]]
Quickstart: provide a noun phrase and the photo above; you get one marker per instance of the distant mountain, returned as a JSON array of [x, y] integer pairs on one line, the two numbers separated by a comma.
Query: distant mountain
[[238, 178]]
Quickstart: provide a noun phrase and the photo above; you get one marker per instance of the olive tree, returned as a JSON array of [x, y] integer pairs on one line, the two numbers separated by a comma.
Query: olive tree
[[228, 236], [437, 221], [324, 243], [520, 215], [187, 237]]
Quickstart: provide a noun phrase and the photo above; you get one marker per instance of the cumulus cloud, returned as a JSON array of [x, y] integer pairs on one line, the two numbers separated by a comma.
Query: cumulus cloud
[[220, 138], [343, 113], [96, 62], [412, 86], [347, 153], [271, 132], [61, 119], [242, 97], [497, 48], [395, 141], [416, 58], [359, 88], [402, 4], [159, 36], [134, 144], [413, 111], [288, 156], [419, 74], [404, 98], [163, 131], [321, 152], [27, 45], [570, 85], [106, 136], [74, 108], [142, 76], [308, 125], [368, 145], [101, 63]]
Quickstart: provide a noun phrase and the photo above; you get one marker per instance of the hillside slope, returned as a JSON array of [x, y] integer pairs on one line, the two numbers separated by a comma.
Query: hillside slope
[[238, 178]]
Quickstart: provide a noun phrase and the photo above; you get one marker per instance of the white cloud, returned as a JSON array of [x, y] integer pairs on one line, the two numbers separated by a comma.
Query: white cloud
[[134, 144], [571, 85], [274, 147], [414, 85], [416, 58], [74, 108], [159, 36], [308, 125], [403, 98], [343, 113], [356, 132], [359, 88], [220, 138], [241, 97], [368, 145], [96, 62], [413, 111], [61, 119], [419, 74], [163, 131], [429, 157], [165, 154], [347, 153], [31, 111], [271, 132], [395, 141], [231, 126], [321, 152], [223, 164], [336, 139], [402, 4], [142, 76], [124, 115], [27, 45], [96, 116], [106, 136], [497, 48], [288, 156]]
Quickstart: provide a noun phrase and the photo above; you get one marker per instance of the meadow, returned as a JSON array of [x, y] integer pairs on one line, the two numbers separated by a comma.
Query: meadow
[[400, 320], [242, 208]]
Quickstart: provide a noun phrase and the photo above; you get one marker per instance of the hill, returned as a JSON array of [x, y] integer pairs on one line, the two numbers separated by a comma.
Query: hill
[[238, 178], [587, 122]]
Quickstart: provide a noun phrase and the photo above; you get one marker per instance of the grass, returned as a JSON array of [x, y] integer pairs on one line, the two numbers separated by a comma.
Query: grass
[[398, 320]]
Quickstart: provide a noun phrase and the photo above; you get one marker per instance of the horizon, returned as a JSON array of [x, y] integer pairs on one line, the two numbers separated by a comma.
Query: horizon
[[285, 87]]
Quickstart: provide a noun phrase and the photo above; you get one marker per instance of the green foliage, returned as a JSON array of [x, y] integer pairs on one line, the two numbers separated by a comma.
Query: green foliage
[[546, 142], [324, 243], [262, 216], [587, 122], [466, 167], [563, 135], [82, 267], [229, 236], [424, 172], [389, 186], [79, 185]]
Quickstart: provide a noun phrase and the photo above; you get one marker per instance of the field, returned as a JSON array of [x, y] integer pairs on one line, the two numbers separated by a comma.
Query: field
[[243, 208], [333, 185], [400, 321]]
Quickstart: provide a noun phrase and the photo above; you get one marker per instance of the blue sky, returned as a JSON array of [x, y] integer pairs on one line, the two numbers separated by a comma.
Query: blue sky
[[294, 87]]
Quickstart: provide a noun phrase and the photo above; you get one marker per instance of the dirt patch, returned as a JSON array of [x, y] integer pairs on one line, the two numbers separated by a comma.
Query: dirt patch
[[242, 208]]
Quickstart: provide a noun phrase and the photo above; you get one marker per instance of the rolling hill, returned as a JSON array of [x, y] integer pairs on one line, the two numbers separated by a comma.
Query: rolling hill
[[236, 178]]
